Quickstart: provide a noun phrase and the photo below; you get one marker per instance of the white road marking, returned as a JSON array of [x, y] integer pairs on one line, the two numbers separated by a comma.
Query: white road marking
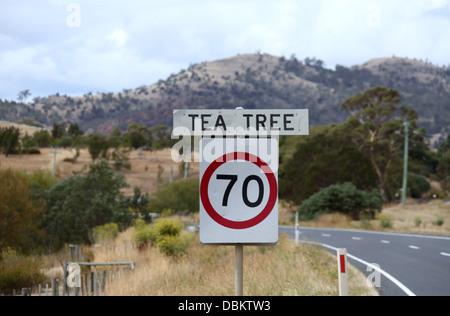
[[445, 254], [356, 238], [385, 242], [414, 247], [387, 275], [326, 235]]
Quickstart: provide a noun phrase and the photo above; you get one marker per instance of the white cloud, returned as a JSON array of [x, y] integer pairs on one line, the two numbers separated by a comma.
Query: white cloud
[[119, 37], [124, 45]]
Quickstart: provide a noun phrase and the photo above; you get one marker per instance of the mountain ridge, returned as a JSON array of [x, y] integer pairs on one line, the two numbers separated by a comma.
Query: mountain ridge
[[252, 81]]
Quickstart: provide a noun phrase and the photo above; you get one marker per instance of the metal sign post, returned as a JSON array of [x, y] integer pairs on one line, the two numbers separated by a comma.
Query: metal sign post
[[239, 270], [239, 173]]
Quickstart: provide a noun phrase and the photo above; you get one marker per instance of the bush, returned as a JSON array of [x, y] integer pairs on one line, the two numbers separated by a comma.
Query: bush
[[418, 185], [166, 227], [172, 245], [165, 234], [341, 198], [417, 221], [179, 196], [439, 221], [31, 151], [106, 232], [386, 221], [17, 272]]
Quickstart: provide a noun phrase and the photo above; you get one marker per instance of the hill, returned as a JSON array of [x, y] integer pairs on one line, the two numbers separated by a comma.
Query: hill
[[252, 81]]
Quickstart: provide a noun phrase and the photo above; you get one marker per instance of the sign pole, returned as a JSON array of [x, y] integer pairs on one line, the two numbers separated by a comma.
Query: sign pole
[[239, 270]]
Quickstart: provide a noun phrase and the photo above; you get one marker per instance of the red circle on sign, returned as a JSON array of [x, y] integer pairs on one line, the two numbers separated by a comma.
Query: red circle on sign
[[234, 224]]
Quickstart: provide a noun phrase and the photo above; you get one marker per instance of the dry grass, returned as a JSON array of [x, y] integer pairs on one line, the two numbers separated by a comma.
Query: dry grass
[[413, 218], [405, 219], [143, 174], [284, 270]]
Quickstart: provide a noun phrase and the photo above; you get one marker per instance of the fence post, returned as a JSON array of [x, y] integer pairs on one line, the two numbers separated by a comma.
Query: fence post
[[343, 272]]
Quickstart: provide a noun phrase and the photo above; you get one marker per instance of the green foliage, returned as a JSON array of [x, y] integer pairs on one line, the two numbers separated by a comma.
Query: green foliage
[[106, 232], [417, 221], [97, 145], [173, 246], [341, 198], [438, 221], [179, 196], [378, 132], [165, 234], [42, 139], [443, 171], [324, 158], [20, 214], [80, 203], [9, 140], [168, 227], [17, 271], [136, 136], [417, 185], [386, 221]]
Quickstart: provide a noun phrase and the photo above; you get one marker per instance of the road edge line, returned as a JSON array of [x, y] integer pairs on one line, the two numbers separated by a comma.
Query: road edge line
[[387, 275]]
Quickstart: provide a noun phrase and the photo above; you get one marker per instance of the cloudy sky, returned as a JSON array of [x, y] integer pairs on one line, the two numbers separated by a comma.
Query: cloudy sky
[[76, 46]]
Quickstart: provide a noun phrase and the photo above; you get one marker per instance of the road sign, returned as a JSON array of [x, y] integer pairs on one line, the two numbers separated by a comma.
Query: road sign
[[239, 191], [237, 122]]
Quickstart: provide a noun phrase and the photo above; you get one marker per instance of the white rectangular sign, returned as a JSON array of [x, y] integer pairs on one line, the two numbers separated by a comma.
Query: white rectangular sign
[[240, 122], [239, 191]]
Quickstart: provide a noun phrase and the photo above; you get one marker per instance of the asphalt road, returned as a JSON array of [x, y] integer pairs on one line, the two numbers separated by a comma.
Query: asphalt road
[[412, 265]]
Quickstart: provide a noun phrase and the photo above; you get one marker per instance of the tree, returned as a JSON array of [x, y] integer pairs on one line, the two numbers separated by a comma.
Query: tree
[[59, 130], [137, 136], [42, 139], [178, 196], [9, 139], [80, 203], [23, 95], [443, 171], [324, 158], [97, 145], [20, 214], [378, 129], [74, 131]]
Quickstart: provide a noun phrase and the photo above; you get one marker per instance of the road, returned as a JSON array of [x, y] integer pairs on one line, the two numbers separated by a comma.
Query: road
[[412, 265]]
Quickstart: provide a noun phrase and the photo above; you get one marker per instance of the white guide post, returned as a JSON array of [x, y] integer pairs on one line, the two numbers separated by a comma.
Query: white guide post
[[343, 272]]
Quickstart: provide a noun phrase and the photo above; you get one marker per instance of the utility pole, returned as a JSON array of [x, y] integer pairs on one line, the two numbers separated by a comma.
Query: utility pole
[[54, 162], [405, 167]]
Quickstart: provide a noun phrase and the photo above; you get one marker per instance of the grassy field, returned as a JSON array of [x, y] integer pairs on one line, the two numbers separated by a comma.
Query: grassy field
[[432, 218], [143, 174], [283, 270]]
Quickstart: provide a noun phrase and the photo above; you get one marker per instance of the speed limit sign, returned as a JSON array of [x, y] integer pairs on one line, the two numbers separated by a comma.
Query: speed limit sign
[[239, 191]]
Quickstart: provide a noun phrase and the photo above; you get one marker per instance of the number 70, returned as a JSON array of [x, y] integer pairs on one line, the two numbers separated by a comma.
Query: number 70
[[233, 179]]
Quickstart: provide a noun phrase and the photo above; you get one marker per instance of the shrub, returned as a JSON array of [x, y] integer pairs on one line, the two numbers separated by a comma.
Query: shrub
[[417, 221], [165, 234], [168, 227], [172, 245], [386, 221], [439, 221], [17, 272], [417, 185], [106, 232], [341, 198], [177, 196]]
